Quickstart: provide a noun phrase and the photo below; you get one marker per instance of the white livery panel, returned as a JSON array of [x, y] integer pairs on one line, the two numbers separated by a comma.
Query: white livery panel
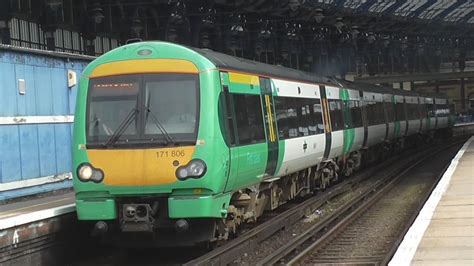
[[297, 157], [413, 127], [376, 134], [296, 89], [337, 143], [358, 139]]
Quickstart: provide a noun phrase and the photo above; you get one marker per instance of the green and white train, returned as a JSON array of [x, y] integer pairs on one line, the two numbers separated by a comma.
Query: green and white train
[[177, 146]]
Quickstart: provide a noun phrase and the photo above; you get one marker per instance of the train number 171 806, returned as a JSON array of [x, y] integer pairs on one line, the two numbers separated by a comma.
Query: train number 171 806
[[170, 153]]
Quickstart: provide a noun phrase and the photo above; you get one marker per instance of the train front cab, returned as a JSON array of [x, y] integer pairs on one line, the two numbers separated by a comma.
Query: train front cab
[[148, 155]]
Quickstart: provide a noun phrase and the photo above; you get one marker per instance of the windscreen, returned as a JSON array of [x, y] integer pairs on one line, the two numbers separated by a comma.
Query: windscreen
[[143, 109]]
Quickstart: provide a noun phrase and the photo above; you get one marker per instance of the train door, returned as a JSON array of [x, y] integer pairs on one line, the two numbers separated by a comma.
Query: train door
[[270, 125], [436, 113], [406, 115], [364, 120], [248, 154], [326, 121]]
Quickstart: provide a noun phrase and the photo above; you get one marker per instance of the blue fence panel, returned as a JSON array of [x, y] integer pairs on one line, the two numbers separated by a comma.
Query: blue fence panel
[[44, 93], [10, 153], [60, 91], [37, 148], [30, 95], [47, 150], [63, 148], [29, 151]]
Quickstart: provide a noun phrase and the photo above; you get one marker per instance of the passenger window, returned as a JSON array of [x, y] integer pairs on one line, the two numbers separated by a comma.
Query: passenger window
[[281, 117], [389, 107], [370, 113], [356, 113], [249, 119], [298, 117], [400, 111], [413, 112], [442, 110], [375, 113], [317, 117], [423, 113], [431, 110]]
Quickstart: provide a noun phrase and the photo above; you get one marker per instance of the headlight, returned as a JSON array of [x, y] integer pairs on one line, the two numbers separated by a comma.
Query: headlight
[[182, 173], [197, 168], [194, 169], [86, 172]]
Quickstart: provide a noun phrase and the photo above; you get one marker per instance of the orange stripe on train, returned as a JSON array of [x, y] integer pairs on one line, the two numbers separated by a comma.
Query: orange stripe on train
[[144, 66]]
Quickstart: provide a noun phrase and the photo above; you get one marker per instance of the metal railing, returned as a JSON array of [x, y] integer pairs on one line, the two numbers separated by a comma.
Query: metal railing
[[464, 119]]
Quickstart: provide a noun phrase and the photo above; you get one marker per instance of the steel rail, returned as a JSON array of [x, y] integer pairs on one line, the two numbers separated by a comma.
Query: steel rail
[[317, 228], [247, 242], [412, 219], [360, 206]]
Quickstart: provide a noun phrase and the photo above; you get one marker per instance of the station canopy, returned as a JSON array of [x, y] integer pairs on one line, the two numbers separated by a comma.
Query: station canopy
[[324, 36]]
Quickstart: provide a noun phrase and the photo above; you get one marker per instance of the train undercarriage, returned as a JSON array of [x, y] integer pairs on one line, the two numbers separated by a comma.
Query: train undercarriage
[[250, 203]]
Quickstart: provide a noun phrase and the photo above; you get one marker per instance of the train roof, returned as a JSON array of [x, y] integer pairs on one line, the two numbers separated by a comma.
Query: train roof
[[229, 62], [364, 86], [375, 88], [434, 95]]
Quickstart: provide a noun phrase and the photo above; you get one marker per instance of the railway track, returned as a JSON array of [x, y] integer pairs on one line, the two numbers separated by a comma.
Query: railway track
[[363, 183], [368, 229], [381, 174]]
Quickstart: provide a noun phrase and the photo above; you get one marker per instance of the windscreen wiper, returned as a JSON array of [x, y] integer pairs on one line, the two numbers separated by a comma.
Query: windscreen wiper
[[169, 139], [160, 126], [121, 128]]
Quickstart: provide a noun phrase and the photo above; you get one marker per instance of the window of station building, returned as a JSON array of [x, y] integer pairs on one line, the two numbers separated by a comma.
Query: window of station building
[[249, 119], [375, 113], [335, 109], [390, 109], [297, 117], [355, 108], [400, 111]]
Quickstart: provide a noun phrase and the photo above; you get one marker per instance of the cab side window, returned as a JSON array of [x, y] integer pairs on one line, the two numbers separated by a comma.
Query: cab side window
[[249, 119]]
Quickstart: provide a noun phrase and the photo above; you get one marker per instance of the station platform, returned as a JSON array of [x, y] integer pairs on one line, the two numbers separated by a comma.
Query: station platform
[[443, 232], [30, 229], [36, 209]]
